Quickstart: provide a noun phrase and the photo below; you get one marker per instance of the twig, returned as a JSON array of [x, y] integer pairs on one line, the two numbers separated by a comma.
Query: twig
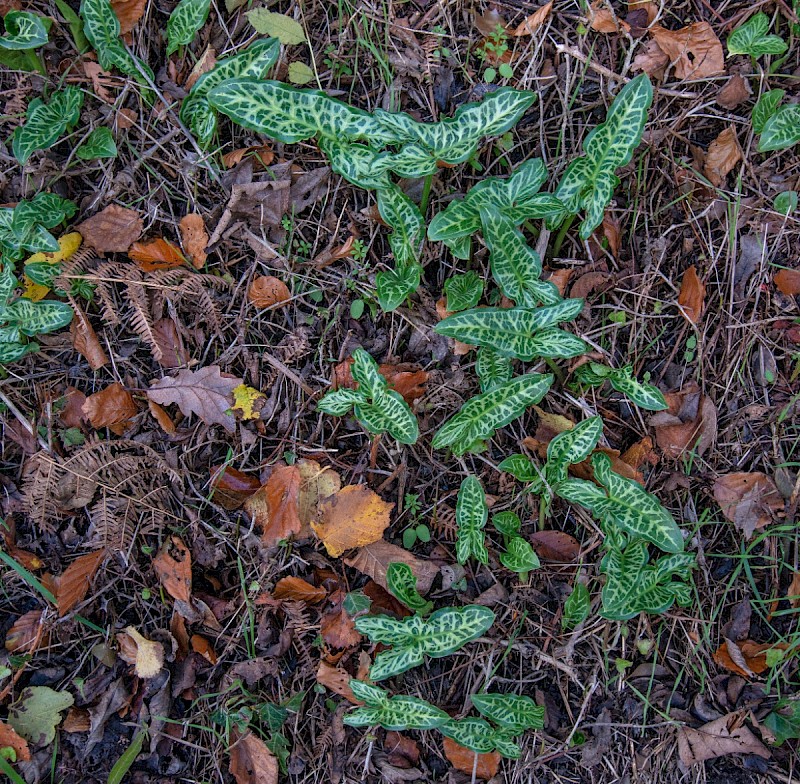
[[290, 374], [24, 422]]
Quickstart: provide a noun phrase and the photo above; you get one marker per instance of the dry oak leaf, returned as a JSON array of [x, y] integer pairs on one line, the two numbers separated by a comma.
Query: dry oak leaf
[[266, 291], [298, 589], [232, 487], [146, 656], [207, 393], [337, 680], [195, 239], [374, 559], [692, 295], [748, 500], [112, 407], [530, 25], [113, 230], [694, 51], [602, 17], [275, 506], [726, 735], [94, 72], [355, 517], [252, 762], [751, 656], [690, 422], [157, 254], [129, 12], [85, 341], [72, 585], [10, 739], [788, 282], [26, 635], [463, 759], [722, 156], [173, 567]]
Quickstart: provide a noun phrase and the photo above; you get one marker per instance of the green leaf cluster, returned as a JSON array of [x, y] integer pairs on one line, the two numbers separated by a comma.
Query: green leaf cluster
[[45, 123], [751, 38], [778, 126], [519, 556], [378, 408], [99, 144], [24, 228], [622, 379]]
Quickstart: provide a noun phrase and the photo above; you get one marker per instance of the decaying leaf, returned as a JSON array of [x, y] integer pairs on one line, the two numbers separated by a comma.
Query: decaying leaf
[[749, 500], [275, 506], [602, 18], [162, 417], [232, 487], [695, 52], [747, 658], [146, 656], [690, 422], [35, 715], [169, 341], [297, 589], [195, 238], [85, 340], [248, 402], [73, 584], [203, 647], [112, 407], [266, 291], [374, 559], [734, 92], [10, 739], [354, 517], [316, 484], [156, 254], [726, 735], [406, 379], [252, 762], [532, 23], [129, 12], [463, 759], [788, 282], [336, 626], [173, 567], [337, 680], [692, 295], [722, 156], [113, 230], [207, 392], [25, 634], [555, 546]]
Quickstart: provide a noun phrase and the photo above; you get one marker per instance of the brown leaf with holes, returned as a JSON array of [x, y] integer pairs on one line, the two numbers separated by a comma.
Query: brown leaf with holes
[[72, 585], [252, 762], [530, 25], [207, 393], [751, 656], [266, 291], [692, 295], [726, 735], [112, 407], [336, 625], [337, 680], [722, 156], [463, 759], [10, 739], [173, 567], [602, 18], [113, 230], [129, 12], [374, 559], [275, 506], [695, 52], [157, 254], [355, 517], [99, 79], [788, 282], [297, 589], [85, 340], [232, 487], [194, 238], [690, 422], [26, 634], [749, 500]]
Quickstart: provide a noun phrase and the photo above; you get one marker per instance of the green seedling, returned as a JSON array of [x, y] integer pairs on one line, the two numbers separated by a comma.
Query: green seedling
[[184, 22], [493, 368], [520, 557], [463, 291], [622, 379], [482, 415], [471, 515], [99, 144], [392, 713], [589, 182], [378, 408], [785, 203], [46, 123], [402, 584], [752, 39], [445, 632], [577, 606], [508, 524]]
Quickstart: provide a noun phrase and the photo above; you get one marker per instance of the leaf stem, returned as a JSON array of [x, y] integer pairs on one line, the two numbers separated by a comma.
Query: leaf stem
[[562, 232], [426, 194]]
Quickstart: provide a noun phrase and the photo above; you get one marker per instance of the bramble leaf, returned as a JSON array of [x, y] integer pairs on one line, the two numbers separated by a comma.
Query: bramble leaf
[[24, 30], [471, 515], [45, 123], [514, 712], [493, 368], [413, 638], [99, 144], [463, 291], [577, 606], [751, 38], [402, 584], [482, 415], [513, 332], [781, 130], [589, 182], [519, 557], [766, 106], [184, 22], [392, 713]]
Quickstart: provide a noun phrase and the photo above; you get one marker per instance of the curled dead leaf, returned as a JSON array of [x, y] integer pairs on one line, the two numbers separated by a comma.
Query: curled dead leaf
[[112, 407], [267, 291], [726, 735], [406, 379], [374, 559], [297, 589], [232, 487], [337, 680], [156, 254], [788, 282], [275, 506], [173, 567], [722, 156], [85, 341], [146, 656], [162, 417], [26, 634], [203, 647], [532, 23], [747, 658], [252, 762], [195, 238], [690, 422]]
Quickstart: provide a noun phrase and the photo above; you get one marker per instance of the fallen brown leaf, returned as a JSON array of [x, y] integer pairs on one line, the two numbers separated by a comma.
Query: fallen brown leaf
[[332, 254], [275, 506], [560, 279], [207, 393], [113, 230], [232, 487], [316, 484], [71, 415], [401, 751], [195, 238], [26, 634], [636, 455], [486, 23], [749, 500], [650, 7], [651, 59], [204, 64], [156, 254], [85, 340], [146, 656], [126, 119], [336, 626], [252, 762], [170, 343], [297, 589], [173, 567], [266, 291], [692, 295], [793, 592], [99, 79], [734, 92], [690, 422], [129, 12], [262, 152], [112, 407], [722, 156], [72, 585], [374, 559], [203, 647], [356, 516], [726, 735], [463, 759], [10, 739], [555, 546], [602, 18], [162, 417], [337, 680], [406, 379], [752, 656], [788, 282], [530, 25], [695, 52]]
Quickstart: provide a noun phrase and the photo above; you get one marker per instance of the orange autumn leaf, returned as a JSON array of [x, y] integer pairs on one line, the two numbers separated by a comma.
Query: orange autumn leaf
[[602, 17], [337, 680], [262, 152], [232, 487], [202, 646], [173, 567], [336, 625], [72, 585], [751, 656], [463, 759], [10, 739], [297, 589], [356, 516], [692, 295], [532, 23], [722, 156], [26, 634], [788, 282], [406, 379], [267, 290], [85, 340], [157, 254], [112, 407], [195, 238], [129, 12], [275, 506], [162, 417]]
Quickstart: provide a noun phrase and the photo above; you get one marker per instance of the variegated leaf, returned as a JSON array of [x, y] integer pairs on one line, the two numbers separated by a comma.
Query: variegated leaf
[[633, 585], [402, 584], [184, 22], [24, 30], [752, 38], [485, 413], [520, 467], [354, 162], [519, 557], [11, 352], [368, 693], [404, 217], [572, 446], [514, 712], [463, 291], [393, 713], [507, 523], [581, 492], [510, 331], [493, 368], [577, 607], [366, 374], [766, 106], [588, 182], [641, 393], [46, 123], [782, 130], [555, 343], [38, 318], [471, 515], [395, 286], [339, 402], [472, 733], [8, 282], [411, 162], [395, 417]]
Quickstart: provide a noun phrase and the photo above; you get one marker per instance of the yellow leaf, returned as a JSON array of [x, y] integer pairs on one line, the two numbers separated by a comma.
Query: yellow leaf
[[68, 244], [149, 654], [33, 291], [244, 400], [353, 517], [316, 484]]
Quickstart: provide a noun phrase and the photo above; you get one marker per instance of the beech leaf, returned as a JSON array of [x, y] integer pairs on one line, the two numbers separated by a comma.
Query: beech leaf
[[354, 517], [275, 507]]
